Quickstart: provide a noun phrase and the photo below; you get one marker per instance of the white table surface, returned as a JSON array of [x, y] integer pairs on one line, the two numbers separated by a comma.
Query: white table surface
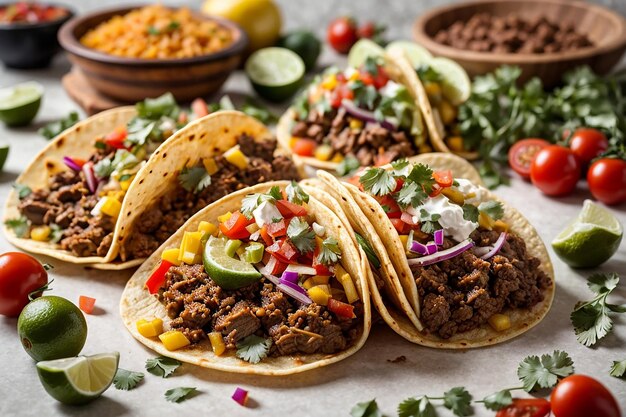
[[330, 391]]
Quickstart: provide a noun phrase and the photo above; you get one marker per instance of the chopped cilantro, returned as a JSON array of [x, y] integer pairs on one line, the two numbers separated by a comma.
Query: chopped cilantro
[[56, 233], [347, 166], [366, 409], [275, 193], [121, 161], [401, 167], [155, 108], [544, 372], [330, 253], [422, 175], [139, 130], [259, 112], [53, 129], [411, 194], [371, 65], [492, 208], [470, 213], [416, 407], [498, 400], [194, 179], [253, 348], [365, 96], [179, 394], [19, 226], [295, 193], [301, 235], [162, 366], [127, 380], [618, 370], [378, 181], [153, 30], [250, 202], [23, 191]]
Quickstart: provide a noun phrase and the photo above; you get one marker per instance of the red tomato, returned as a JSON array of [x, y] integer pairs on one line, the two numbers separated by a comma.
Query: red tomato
[[341, 34], [401, 227], [390, 206], [583, 396], [607, 180], [156, 280], [341, 309], [436, 190], [266, 236], [304, 147], [277, 229], [199, 107], [381, 79], [444, 178], [366, 30], [367, 78], [20, 275], [320, 268], [289, 209], [283, 250], [526, 407], [340, 93], [555, 170], [587, 143], [235, 227], [86, 303], [116, 138], [523, 152]]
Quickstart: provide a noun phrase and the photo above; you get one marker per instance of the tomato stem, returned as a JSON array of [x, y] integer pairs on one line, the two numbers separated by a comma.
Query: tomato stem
[[37, 293]]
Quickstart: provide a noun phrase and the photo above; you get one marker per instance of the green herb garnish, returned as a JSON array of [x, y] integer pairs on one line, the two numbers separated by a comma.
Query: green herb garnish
[[301, 235], [618, 369], [162, 366], [127, 380], [23, 191], [53, 129], [295, 193], [366, 409], [179, 394], [378, 181], [253, 348], [19, 226], [347, 166], [330, 252]]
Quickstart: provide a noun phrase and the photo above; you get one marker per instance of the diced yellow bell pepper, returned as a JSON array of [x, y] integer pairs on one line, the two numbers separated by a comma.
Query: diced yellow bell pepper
[[455, 143], [320, 279], [326, 288], [40, 233], [433, 90], [356, 124], [207, 228], [485, 221], [318, 295], [337, 158], [292, 142], [323, 152], [190, 247], [354, 76], [308, 284], [117, 195], [210, 165], [125, 185], [151, 328], [253, 228], [329, 82], [217, 343], [174, 340], [500, 226], [454, 195], [500, 322], [236, 157], [224, 217], [447, 112], [405, 240], [171, 256], [111, 207], [348, 286]]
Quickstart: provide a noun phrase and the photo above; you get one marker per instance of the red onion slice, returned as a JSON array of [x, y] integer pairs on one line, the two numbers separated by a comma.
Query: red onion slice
[[90, 177], [271, 278], [365, 115], [442, 255], [289, 276], [299, 294], [431, 248], [418, 247], [496, 246], [71, 164]]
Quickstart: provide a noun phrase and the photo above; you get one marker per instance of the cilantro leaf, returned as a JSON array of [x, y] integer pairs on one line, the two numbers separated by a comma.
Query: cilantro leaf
[[330, 253], [127, 380], [19, 226], [416, 407], [401, 167], [603, 283], [347, 166], [295, 193], [366, 409], [365, 96], [492, 208], [23, 191], [378, 181], [53, 129], [422, 175], [179, 394], [498, 400], [458, 400], [162, 366], [411, 194], [275, 193], [253, 348], [56, 233], [155, 108], [536, 373], [301, 235], [139, 130], [470, 213], [618, 370], [194, 179], [121, 160]]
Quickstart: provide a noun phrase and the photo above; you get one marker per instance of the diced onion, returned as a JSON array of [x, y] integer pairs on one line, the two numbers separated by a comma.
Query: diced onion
[[319, 230], [366, 115], [90, 177], [439, 237], [295, 291], [408, 219], [240, 396], [289, 276], [442, 255], [97, 210], [418, 247], [496, 246], [71, 164], [431, 248], [301, 269]]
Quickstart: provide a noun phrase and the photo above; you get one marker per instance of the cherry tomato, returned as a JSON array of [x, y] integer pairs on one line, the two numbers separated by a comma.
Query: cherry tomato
[[444, 178], [341, 309], [304, 147], [555, 170], [587, 143], [526, 407], [341, 34], [20, 275], [199, 107], [607, 180], [523, 152], [583, 396]]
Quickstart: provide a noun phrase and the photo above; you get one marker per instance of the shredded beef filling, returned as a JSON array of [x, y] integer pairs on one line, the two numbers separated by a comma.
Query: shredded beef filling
[[198, 306], [333, 128], [461, 293], [171, 210]]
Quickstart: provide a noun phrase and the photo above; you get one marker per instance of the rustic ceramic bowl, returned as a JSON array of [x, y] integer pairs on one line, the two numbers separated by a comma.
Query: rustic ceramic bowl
[[606, 29], [134, 79]]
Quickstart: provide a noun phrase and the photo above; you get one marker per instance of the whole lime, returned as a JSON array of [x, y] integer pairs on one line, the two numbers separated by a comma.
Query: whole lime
[[303, 43], [52, 327]]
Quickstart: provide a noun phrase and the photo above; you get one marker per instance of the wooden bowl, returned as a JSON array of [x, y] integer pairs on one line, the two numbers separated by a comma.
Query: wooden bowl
[[606, 30], [134, 79]]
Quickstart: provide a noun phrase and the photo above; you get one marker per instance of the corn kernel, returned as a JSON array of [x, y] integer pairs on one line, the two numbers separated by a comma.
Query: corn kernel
[[111, 207], [117, 195], [125, 185], [207, 228], [174, 340], [210, 165], [150, 328], [320, 279], [455, 143], [329, 82], [40, 233], [171, 256], [500, 322], [236, 157], [500, 226], [356, 124], [224, 217], [454, 195], [217, 343], [323, 152], [318, 295], [349, 288]]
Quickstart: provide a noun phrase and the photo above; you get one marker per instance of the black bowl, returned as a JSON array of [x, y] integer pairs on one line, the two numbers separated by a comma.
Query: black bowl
[[31, 45]]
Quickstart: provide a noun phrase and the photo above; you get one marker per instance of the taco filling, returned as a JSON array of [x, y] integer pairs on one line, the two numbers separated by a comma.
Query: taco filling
[[79, 207], [266, 276], [359, 112], [248, 163], [468, 265]]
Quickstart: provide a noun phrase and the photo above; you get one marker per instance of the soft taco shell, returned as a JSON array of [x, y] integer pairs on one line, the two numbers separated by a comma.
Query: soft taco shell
[[136, 303]]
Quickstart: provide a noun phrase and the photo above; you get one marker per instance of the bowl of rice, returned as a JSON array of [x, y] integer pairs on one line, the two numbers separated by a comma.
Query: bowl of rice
[[130, 53]]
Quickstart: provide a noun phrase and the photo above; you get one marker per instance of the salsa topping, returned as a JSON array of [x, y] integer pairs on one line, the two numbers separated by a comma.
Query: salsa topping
[[25, 12]]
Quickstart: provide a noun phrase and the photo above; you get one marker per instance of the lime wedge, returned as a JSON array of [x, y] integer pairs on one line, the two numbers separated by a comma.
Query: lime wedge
[[591, 239], [19, 104], [363, 49], [4, 153], [417, 54], [229, 273], [78, 380], [275, 73], [456, 85]]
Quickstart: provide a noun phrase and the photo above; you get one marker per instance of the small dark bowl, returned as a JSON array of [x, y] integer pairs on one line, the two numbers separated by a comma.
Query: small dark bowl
[[31, 45], [134, 79]]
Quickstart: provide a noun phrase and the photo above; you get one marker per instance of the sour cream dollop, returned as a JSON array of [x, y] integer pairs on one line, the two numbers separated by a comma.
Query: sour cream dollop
[[467, 188], [451, 220]]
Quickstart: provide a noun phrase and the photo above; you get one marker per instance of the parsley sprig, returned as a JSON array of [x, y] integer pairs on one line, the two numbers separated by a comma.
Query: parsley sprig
[[618, 369], [126, 380], [295, 193], [330, 253]]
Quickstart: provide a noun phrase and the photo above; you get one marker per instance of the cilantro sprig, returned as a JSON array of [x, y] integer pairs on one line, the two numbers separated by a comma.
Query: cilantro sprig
[[378, 181], [19, 225], [253, 348], [180, 394], [194, 179], [162, 366], [22, 190], [618, 369], [301, 235], [366, 409], [330, 253], [295, 193], [458, 400]]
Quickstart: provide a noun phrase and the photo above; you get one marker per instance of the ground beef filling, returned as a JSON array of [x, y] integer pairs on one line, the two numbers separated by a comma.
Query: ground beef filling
[[198, 306], [67, 203], [333, 128], [171, 210], [461, 293]]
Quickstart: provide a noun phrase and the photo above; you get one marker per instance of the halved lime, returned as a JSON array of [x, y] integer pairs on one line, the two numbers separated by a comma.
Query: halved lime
[[229, 273], [456, 85], [78, 380], [275, 73], [417, 54], [4, 153], [19, 104], [363, 49], [591, 239]]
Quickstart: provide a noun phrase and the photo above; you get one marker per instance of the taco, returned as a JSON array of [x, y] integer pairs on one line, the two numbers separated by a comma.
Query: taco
[[474, 270], [264, 281], [370, 113]]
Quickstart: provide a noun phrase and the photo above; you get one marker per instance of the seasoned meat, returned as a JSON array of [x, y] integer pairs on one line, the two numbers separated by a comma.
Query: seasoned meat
[[35, 211]]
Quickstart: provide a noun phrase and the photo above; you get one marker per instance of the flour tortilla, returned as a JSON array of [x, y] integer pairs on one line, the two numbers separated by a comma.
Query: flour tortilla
[[137, 303]]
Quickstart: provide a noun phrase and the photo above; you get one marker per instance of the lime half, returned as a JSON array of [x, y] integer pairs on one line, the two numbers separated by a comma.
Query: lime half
[[417, 54], [456, 85], [229, 273], [19, 104], [275, 73], [78, 380], [591, 239], [363, 49]]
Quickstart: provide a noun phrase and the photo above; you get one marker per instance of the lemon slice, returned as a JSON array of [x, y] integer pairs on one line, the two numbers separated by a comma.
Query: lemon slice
[[417, 54]]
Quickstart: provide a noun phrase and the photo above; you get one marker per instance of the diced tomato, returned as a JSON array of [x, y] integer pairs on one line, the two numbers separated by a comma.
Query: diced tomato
[[283, 250], [183, 117], [235, 227], [390, 206], [367, 78], [399, 185], [354, 180], [116, 138], [444, 178], [86, 303], [199, 107], [320, 268], [156, 280], [289, 210], [383, 159], [341, 78], [526, 407], [341, 309], [275, 266], [400, 226], [277, 229], [304, 147], [381, 79], [265, 236], [79, 162], [339, 94], [436, 190]]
